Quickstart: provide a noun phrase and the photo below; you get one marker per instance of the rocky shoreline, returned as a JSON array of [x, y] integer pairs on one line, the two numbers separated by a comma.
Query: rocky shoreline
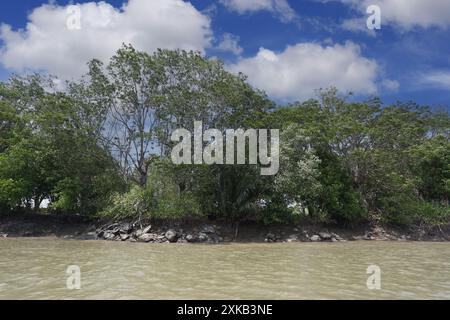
[[204, 231]]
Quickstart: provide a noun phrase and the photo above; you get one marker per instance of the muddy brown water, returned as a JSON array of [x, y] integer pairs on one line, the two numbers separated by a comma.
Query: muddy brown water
[[36, 269]]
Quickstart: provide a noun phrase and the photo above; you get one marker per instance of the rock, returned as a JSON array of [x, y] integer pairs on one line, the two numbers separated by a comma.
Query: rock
[[325, 236], [337, 237], [161, 238], [146, 229], [3, 235], [202, 237], [334, 239], [171, 235], [138, 233], [369, 236], [270, 237], [292, 238], [124, 236], [125, 228], [190, 238], [108, 236], [208, 229], [315, 238], [147, 237]]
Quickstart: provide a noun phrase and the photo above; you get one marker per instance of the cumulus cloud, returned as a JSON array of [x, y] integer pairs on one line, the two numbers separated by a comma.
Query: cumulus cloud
[[230, 43], [280, 8], [48, 44], [299, 70], [408, 14]]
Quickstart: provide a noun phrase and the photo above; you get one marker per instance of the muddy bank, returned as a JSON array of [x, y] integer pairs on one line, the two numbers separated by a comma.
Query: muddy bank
[[203, 231]]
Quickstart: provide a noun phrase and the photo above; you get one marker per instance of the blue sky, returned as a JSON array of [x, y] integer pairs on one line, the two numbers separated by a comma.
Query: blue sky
[[287, 47]]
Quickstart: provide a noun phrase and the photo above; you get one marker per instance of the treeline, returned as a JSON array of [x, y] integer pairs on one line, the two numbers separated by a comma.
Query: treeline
[[101, 146]]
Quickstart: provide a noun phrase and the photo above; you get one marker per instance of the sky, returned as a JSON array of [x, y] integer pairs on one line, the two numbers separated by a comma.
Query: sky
[[288, 48]]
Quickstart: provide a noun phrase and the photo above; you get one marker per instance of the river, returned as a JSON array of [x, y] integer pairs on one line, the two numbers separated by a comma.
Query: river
[[36, 269]]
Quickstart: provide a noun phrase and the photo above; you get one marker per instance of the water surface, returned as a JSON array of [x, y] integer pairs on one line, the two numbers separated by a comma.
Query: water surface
[[36, 269]]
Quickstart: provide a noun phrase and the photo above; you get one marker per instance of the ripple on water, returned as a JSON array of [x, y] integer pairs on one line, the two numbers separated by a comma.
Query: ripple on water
[[36, 269]]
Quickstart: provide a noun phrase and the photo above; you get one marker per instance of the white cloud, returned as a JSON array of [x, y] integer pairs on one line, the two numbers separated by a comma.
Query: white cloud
[[47, 44], [299, 70], [391, 85], [440, 79], [358, 25], [281, 8], [408, 14], [230, 42]]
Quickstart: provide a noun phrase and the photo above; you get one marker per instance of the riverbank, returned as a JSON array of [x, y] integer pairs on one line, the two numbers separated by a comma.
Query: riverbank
[[201, 231]]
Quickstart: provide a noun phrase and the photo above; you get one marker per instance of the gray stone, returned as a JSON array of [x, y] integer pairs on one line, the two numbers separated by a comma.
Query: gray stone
[[337, 237], [147, 237], [124, 236], [190, 238], [138, 233], [202, 236], [171, 235], [270, 236], [208, 229], [109, 236], [315, 238], [325, 235], [126, 228], [146, 229]]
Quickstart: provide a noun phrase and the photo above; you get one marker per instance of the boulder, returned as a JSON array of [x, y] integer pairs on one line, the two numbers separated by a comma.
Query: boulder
[[171, 235], [190, 238], [147, 237], [315, 238], [325, 235], [137, 233]]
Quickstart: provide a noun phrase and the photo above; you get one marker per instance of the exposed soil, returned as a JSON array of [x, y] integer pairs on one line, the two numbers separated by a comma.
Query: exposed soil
[[204, 231]]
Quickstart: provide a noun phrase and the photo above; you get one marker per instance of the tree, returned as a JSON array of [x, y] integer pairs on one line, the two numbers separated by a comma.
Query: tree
[[53, 155]]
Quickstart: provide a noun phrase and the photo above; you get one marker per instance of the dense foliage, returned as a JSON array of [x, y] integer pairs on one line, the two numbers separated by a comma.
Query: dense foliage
[[101, 146]]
